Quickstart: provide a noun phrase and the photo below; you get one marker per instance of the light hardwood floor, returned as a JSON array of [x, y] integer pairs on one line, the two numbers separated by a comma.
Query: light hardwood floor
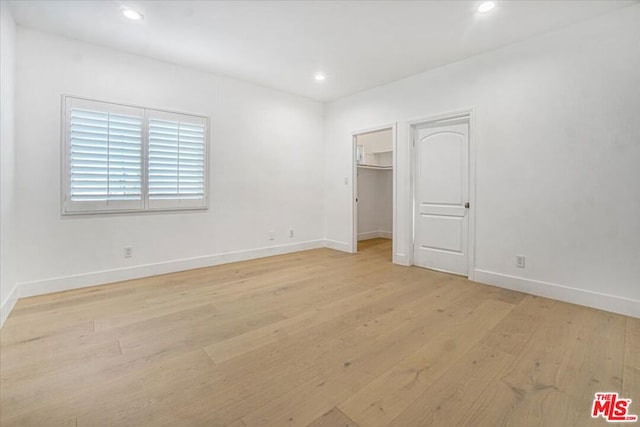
[[318, 338]]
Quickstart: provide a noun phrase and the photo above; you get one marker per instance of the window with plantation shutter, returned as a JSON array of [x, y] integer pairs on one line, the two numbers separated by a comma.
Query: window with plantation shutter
[[123, 158], [176, 160]]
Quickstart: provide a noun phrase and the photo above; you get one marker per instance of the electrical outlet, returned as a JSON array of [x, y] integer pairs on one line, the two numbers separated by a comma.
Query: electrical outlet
[[272, 235], [128, 252], [291, 233], [520, 261]]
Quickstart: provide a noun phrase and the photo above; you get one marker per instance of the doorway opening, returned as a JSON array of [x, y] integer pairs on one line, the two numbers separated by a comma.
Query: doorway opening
[[373, 187]]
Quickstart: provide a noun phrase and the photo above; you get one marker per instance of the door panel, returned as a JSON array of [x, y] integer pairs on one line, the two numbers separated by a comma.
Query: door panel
[[441, 155], [441, 232], [441, 191]]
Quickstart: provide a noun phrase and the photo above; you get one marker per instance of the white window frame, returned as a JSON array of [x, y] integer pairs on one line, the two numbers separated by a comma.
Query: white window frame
[[69, 207]]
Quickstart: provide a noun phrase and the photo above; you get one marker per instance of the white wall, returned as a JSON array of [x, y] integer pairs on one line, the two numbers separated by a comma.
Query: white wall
[[557, 137], [264, 169], [7, 169], [375, 203]]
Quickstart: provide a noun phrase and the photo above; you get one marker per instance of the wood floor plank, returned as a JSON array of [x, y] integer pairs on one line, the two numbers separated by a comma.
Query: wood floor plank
[[558, 382], [295, 359], [530, 378], [254, 339], [118, 397], [631, 369], [355, 362], [464, 382], [60, 360], [333, 418], [61, 318], [140, 348], [316, 338], [516, 329], [384, 398], [594, 364], [126, 401]]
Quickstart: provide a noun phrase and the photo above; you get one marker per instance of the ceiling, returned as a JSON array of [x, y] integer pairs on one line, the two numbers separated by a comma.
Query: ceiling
[[282, 44]]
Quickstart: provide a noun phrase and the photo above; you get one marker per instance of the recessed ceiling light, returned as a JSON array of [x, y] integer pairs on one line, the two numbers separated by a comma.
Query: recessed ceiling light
[[319, 77], [486, 6], [134, 15]]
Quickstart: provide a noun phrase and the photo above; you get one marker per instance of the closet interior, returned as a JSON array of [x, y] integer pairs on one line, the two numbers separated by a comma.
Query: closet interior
[[374, 202]]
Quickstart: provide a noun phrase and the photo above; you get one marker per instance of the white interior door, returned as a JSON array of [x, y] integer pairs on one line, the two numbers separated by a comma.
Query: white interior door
[[441, 198]]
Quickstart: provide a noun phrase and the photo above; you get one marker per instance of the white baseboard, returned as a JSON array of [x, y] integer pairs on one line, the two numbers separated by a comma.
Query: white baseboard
[[385, 234], [8, 304], [374, 234], [58, 284], [338, 246], [606, 302]]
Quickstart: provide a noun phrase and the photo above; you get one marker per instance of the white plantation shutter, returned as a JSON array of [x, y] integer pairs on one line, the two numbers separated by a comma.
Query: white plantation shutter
[[103, 157], [176, 160], [122, 158], [106, 153]]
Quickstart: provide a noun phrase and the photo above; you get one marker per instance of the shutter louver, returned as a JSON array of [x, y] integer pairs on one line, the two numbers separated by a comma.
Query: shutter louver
[[176, 160], [105, 156]]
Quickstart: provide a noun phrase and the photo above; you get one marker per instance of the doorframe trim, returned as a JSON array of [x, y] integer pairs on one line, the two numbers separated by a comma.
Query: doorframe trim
[[353, 246], [412, 125]]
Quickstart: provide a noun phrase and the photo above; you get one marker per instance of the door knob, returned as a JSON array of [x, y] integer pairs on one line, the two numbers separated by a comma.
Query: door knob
[[466, 205]]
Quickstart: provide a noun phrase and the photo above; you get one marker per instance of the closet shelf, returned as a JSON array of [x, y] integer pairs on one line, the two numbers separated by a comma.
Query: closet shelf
[[382, 151], [375, 167]]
